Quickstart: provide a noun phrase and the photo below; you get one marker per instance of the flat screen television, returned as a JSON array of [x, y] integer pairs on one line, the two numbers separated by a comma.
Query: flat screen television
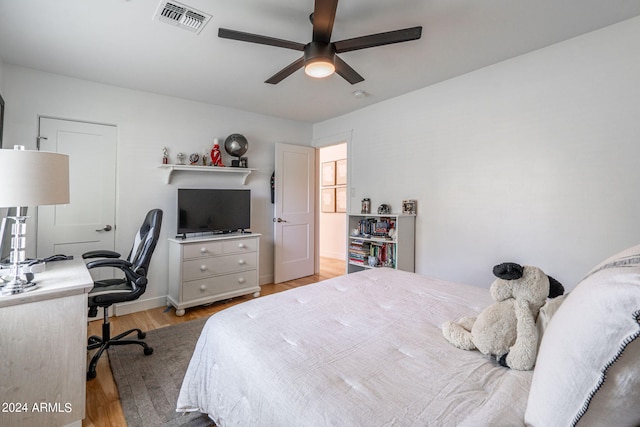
[[203, 210]]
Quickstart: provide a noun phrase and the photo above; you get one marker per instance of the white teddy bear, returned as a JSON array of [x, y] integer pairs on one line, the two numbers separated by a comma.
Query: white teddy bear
[[507, 329]]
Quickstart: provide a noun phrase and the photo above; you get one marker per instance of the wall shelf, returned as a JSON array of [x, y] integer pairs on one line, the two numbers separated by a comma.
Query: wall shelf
[[170, 169]]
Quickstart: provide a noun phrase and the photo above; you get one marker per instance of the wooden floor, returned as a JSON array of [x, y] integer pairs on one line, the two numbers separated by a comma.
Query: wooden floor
[[103, 403]]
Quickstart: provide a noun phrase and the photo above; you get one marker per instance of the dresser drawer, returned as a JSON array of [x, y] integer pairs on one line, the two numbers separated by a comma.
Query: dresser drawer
[[202, 249], [220, 284], [204, 267], [239, 245]]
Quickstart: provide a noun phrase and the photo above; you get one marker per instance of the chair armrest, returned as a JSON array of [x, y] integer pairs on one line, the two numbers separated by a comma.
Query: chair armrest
[[102, 253], [110, 262], [138, 278]]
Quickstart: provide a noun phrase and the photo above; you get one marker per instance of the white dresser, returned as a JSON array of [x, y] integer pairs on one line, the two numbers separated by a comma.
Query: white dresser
[[43, 349], [213, 268]]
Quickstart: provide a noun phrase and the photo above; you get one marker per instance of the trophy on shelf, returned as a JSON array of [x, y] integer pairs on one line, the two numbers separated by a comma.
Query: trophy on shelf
[[216, 155]]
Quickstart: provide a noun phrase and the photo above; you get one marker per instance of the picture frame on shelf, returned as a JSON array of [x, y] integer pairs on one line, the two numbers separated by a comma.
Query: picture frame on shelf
[[328, 202], [409, 207], [341, 172], [328, 173]]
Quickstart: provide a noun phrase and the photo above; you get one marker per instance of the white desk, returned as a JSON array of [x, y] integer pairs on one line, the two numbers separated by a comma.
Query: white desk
[[43, 349]]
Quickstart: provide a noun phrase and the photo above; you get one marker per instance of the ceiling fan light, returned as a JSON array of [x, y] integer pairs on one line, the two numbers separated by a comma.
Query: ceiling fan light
[[319, 68]]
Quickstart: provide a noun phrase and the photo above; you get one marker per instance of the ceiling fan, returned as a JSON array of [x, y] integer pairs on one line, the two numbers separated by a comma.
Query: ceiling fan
[[320, 57]]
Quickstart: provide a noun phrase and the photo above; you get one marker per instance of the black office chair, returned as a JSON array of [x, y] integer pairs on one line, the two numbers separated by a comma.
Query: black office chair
[[130, 287]]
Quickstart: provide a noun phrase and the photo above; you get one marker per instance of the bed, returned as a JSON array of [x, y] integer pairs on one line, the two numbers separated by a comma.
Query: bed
[[366, 349]]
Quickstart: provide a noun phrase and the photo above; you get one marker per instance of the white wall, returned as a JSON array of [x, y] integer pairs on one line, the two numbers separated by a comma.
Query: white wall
[[1, 76], [532, 160], [332, 241], [146, 123]]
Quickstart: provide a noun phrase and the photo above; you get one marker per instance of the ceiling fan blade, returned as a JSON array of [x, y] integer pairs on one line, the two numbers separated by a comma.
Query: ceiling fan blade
[[346, 72], [380, 39], [286, 71], [324, 13], [256, 38]]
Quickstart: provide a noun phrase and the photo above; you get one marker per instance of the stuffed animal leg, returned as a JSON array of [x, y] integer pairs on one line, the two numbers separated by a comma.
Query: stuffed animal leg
[[459, 333], [522, 355]]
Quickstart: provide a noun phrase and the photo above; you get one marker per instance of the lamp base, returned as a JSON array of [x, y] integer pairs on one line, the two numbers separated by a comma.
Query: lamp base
[[15, 282], [15, 286]]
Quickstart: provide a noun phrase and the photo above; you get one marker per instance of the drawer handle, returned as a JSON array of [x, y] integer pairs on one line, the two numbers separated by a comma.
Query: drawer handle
[[203, 287], [241, 262], [242, 245], [203, 268], [203, 250], [241, 280]]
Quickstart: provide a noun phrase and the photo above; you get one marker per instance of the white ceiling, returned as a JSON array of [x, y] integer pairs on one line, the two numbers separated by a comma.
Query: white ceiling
[[116, 42]]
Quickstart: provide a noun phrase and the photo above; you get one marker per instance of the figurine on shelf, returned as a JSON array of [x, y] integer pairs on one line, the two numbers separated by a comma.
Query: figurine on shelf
[[216, 156], [392, 233], [366, 206], [194, 158], [165, 156], [180, 157]]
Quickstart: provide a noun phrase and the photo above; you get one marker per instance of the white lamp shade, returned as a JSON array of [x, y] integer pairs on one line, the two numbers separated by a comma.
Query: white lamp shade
[[33, 178]]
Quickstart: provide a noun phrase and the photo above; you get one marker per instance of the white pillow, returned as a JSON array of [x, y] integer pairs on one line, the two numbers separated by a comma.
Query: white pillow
[[546, 313], [588, 367]]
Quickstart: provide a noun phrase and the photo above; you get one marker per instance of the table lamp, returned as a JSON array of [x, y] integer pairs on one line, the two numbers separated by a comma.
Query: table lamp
[[28, 178]]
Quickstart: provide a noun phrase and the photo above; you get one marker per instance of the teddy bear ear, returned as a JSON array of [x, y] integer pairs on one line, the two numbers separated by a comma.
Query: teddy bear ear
[[555, 288], [508, 271]]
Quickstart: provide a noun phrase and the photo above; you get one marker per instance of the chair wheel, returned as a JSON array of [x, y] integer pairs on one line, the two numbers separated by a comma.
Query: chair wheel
[[141, 335], [148, 351], [91, 375]]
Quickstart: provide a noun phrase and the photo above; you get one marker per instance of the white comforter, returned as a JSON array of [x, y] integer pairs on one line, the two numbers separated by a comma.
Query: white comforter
[[364, 349]]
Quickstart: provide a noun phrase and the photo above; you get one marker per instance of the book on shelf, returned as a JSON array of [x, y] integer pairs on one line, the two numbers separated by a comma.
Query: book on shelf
[[376, 227], [384, 253], [359, 251]]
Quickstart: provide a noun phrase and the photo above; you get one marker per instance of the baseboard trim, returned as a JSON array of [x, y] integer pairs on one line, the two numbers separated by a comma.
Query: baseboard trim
[[140, 305], [266, 279], [334, 255]]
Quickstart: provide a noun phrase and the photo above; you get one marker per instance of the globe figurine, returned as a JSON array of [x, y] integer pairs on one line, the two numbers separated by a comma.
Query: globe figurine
[[236, 145]]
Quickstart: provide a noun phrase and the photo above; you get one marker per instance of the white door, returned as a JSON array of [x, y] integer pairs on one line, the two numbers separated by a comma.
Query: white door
[[294, 212], [88, 221]]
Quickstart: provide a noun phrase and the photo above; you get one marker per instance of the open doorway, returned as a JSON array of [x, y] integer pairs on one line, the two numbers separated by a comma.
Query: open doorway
[[332, 207]]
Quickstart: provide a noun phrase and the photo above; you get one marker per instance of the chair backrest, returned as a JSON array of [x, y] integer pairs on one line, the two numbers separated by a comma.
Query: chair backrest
[[145, 242]]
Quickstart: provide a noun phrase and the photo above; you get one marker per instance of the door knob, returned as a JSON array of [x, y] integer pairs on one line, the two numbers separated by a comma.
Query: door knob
[[279, 220], [106, 228]]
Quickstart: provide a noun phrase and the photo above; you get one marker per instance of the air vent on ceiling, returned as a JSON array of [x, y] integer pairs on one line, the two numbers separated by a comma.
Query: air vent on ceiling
[[181, 16]]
